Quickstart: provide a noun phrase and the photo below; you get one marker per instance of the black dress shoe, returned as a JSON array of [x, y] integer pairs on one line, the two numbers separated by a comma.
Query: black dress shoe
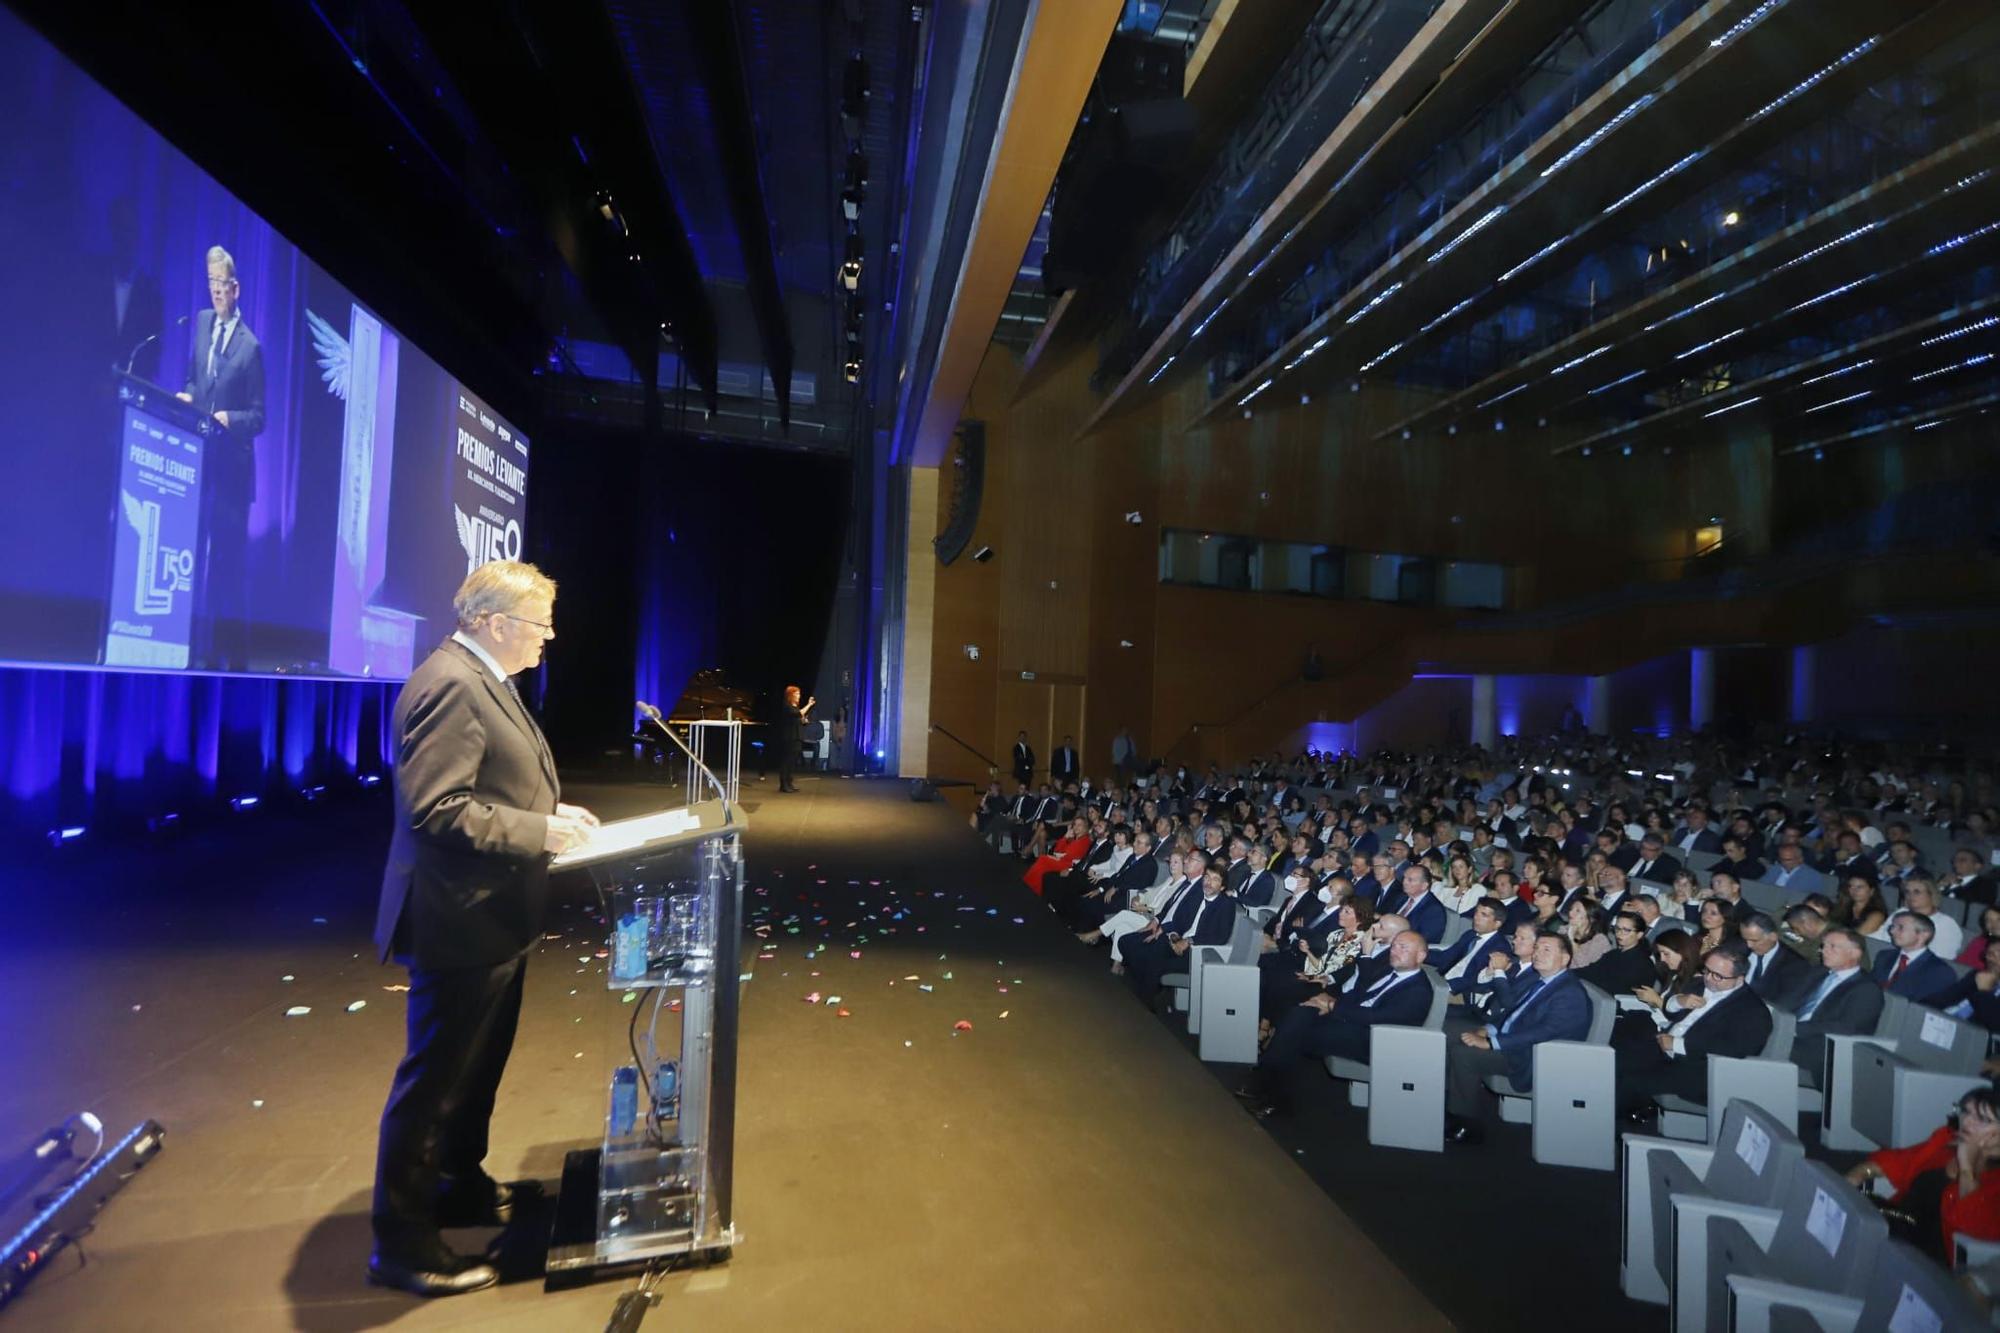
[[452, 1275], [483, 1201], [1639, 1115], [1460, 1130]]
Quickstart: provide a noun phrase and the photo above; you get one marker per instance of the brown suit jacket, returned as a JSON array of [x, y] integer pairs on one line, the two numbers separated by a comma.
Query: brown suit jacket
[[467, 879]]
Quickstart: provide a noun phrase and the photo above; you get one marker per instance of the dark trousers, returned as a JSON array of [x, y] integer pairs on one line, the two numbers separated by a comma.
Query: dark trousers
[[1303, 1034], [788, 757], [1646, 1072], [222, 608], [1465, 1071], [460, 1031]]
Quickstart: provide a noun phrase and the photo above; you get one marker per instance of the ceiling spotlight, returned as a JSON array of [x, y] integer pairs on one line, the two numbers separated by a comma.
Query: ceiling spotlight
[[1731, 218], [1586, 451], [1626, 451], [853, 372], [1304, 399], [1406, 432]]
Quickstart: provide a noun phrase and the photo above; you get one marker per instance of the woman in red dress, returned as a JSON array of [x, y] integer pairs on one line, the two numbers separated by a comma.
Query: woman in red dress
[[1068, 850]]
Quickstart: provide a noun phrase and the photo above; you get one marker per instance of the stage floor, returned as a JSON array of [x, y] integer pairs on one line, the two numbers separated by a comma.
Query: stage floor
[[1066, 1166]]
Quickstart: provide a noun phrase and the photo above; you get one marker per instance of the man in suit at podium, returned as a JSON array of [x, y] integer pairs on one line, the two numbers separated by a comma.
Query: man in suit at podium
[[226, 380], [477, 819]]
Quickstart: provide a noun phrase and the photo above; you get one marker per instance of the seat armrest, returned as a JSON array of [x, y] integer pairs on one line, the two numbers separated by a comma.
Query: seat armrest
[[1753, 1301], [1975, 1253]]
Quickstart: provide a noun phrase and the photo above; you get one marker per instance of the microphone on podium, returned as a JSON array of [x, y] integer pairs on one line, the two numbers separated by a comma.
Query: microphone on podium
[[652, 715], [150, 338]]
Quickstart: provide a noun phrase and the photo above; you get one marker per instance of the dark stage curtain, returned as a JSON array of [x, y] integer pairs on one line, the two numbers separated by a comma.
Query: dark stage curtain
[[81, 748]]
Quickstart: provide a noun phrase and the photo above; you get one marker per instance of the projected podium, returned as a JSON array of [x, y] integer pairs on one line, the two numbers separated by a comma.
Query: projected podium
[[162, 457], [659, 1188]]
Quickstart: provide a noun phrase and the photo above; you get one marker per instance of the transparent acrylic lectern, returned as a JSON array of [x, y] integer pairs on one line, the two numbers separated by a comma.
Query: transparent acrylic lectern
[[658, 1189]]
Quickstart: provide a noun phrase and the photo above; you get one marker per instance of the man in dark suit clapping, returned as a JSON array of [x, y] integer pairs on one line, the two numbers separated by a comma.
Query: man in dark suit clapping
[[463, 897]]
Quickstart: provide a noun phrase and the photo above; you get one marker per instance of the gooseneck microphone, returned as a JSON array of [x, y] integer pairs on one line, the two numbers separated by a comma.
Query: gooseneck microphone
[[147, 341], [653, 716]]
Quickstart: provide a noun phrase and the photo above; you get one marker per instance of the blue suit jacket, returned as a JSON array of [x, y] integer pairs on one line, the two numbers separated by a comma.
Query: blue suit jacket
[[1560, 1012], [1426, 918], [1217, 923], [1924, 981]]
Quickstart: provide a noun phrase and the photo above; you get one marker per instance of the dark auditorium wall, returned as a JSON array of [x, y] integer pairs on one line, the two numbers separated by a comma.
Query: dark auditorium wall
[[1214, 673]]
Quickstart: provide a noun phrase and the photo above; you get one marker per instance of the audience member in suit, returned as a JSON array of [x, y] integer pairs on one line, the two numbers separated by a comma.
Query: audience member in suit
[[1695, 835], [1974, 995], [1968, 879], [1014, 821], [1114, 893], [1726, 889], [1205, 918], [1339, 1025], [1630, 962], [1653, 863], [1726, 1019], [1793, 875], [1416, 904], [1780, 977], [1063, 765], [1259, 888], [1500, 972], [1461, 962], [991, 806], [1569, 887], [1064, 893], [1736, 859], [1614, 894], [1844, 1001], [1238, 868], [1553, 1006], [1184, 875], [1617, 851], [1320, 957], [1911, 970], [1024, 759]]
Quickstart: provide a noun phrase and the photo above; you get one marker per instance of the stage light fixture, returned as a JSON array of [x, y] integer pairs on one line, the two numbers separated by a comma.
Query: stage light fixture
[[242, 803], [1731, 218], [59, 836], [853, 372]]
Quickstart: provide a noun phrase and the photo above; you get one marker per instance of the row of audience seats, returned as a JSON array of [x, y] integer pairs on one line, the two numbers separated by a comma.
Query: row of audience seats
[[1724, 1219]]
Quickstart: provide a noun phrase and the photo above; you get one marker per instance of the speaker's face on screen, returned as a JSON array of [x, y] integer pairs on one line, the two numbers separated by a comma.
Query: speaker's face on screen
[[222, 291]]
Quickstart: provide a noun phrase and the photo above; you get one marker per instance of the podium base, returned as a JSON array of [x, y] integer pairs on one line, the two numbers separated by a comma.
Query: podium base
[[575, 1256]]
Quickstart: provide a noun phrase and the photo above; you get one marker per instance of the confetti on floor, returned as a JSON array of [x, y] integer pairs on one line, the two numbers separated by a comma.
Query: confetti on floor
[[298, 1011], [357, 1006]]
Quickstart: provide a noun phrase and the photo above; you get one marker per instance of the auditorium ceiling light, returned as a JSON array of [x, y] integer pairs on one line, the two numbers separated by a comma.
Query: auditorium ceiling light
[[1731, 218], [1381, 356], [1812, 81], [1699, 348], [1597, 136], [1244, 401], [1830, 293], [1970, 361], [1819, 250], [1540, 254], [1163, 367], [1384, 295], [1956, 241], [1574, 362], [1644, 186], [1684, 313], [1502, 397], [1622, 379], [1836, 374], [1851, 398], [1492, 215], [1733, 406], [1746, 23], [1973, 327], [1313, 350], [1448, 314]]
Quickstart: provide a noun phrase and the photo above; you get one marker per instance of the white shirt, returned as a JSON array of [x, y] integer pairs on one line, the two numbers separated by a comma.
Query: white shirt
[[1949, 941], [1385, 985], [1195, 924], [460, 636], [1477, 953], [1710, 997]]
